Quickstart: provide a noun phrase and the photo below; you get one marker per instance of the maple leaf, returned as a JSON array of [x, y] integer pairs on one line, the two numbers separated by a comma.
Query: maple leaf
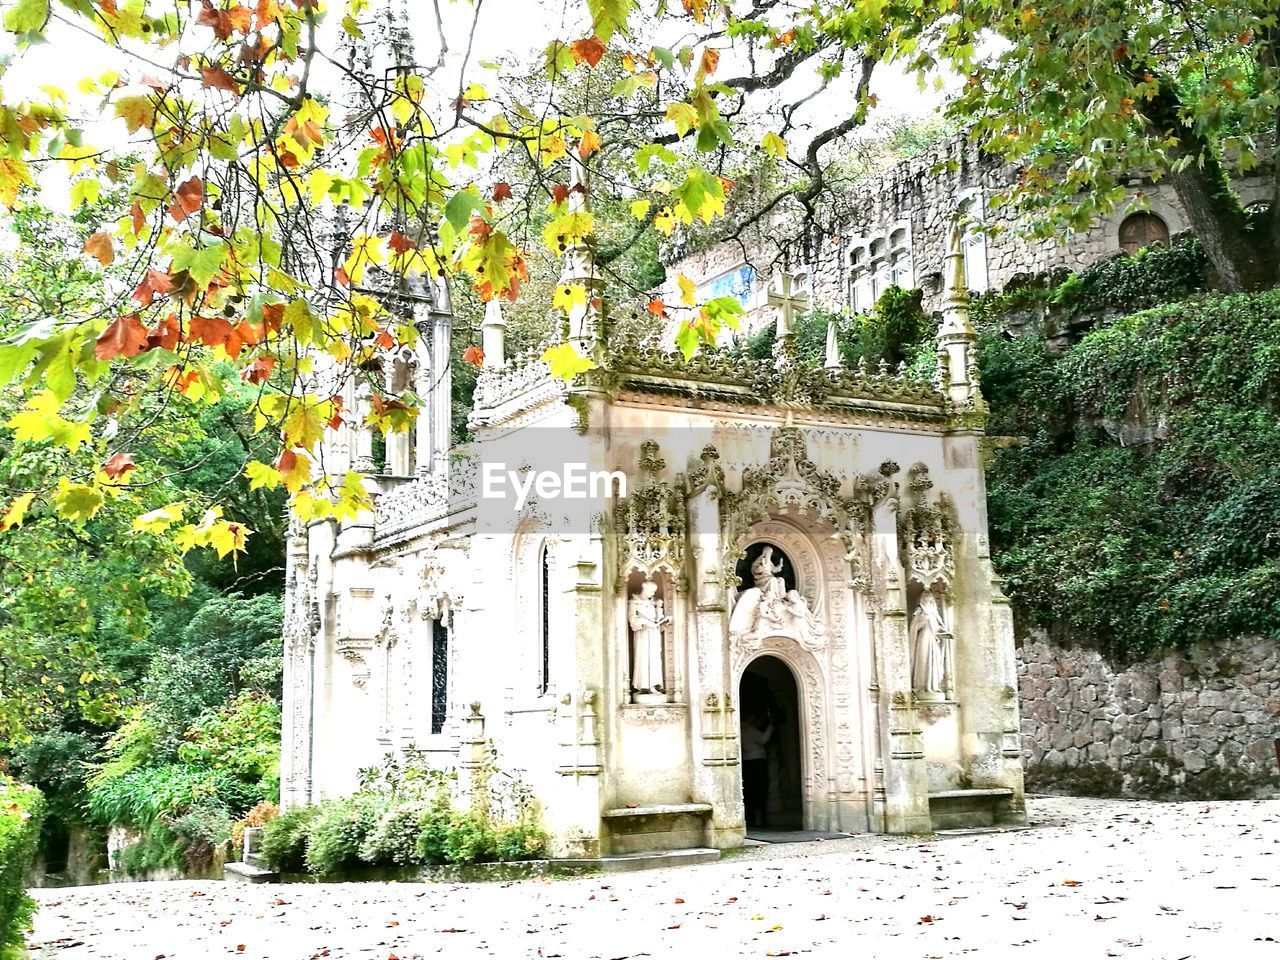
[[657, 308], [473, 355], [118, 465], [399, 243], [187, 199], [588, 50], [565, 362], [501, 191], [559, 193], [17, 511], [218, 79], [136, 112], [166, 334], [259, 371], [710, 60], [99, 245], [272, 317], [138, 218], [214, 332], [124, 337], [589, 144]]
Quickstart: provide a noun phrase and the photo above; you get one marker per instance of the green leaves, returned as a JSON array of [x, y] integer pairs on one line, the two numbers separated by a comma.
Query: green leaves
[[609, 17], [27, 19]]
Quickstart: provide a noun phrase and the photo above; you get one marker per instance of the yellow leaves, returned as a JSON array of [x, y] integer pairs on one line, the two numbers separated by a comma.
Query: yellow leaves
[[160, 519], [224, 536], [366, 250], [41, 420], [664, 221], [640, 208], [304, 424], [17, 511], [568, 296], [588, 144], [262, 475], [76, 502], [687, 288], [551, 147], [774, 146], [707, 65], [14, 174], [565, 362], [497, 265], [567, 230], [137, 112], [683, 117]]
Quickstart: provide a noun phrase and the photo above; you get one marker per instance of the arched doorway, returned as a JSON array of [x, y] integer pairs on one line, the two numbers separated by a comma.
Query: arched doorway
[[772, 769]]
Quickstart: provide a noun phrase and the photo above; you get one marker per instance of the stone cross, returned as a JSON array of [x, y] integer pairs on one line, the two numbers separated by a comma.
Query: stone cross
[[787, 301]]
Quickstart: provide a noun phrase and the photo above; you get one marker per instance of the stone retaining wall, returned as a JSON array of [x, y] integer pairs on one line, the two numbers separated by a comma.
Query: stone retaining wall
[[1200, 725]]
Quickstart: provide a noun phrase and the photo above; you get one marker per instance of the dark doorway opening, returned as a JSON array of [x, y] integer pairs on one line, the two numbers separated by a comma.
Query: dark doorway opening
[[769, 711]]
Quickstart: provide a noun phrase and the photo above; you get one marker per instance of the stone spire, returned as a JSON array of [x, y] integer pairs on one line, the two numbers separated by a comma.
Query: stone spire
[[580, 268], [493, 335], [956, 334], [832, 361]]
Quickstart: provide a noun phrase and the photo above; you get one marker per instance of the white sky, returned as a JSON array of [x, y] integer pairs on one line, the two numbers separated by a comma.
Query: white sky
[[507, 28]]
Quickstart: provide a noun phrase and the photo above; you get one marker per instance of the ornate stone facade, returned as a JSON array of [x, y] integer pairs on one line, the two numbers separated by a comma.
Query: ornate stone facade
[[757, 558]]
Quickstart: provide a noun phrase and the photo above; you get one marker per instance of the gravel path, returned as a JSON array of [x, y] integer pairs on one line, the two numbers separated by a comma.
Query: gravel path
[[1093, 878]]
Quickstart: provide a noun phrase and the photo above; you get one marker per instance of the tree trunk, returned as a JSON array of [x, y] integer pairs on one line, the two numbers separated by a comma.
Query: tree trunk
[[1242, 258]]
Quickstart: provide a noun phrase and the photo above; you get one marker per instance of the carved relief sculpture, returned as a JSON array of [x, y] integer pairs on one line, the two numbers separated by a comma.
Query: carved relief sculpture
[[928, 652], [769, 609], [646, 617]]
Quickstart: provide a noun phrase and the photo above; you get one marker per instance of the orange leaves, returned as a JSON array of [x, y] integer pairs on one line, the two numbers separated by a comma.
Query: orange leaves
[[137, 217], [399, 243], [657, 308], [473, 355], [156, 282], [589, 144], [216, 78], [259, 372], [306, 133], [559, 193], [211, 331], [589, 50], [187, 199], [501, 191], [165, 334], [100, 246], [697, 9], [226, 22], [710, 60], [119, 465], [124, 337]]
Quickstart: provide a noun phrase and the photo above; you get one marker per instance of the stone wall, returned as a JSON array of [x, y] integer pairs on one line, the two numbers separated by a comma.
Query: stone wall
[[1200, 725], [924, 194]]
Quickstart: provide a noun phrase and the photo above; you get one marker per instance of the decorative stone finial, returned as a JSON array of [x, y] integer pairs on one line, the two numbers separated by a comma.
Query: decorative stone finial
[[832, 361], [580, 263], [956, 334], [493, 334]]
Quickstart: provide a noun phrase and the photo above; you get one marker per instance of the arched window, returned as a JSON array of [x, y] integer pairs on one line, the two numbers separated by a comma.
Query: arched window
[[1141, 230], [973, 244], [901, 273], [544, 625], [880, 281], [861, 299]]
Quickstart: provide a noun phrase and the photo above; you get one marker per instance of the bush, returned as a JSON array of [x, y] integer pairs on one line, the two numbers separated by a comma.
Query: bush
[[284, 841], [143, 796], [520, 841], [21, 811], [158, 848], [258, 816], [393, 841], [241, 737], [335, 836]]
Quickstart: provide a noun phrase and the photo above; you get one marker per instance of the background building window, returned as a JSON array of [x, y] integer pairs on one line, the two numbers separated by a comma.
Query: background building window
[[739, 283], [439, 675], [901, 273], [1141, 230], [880, 281], [860, 296], [544, 659], [973, 245]]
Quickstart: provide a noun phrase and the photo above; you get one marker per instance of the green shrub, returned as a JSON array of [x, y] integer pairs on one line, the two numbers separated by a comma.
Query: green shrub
[[241, 737], [520, 841], [21, 811], [142, 796], [469, 839], [339, 829], [394, 838], [158, 848], [284, 841]]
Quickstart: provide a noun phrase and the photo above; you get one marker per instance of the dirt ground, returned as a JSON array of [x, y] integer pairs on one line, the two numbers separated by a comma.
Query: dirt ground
[[1092, 878]]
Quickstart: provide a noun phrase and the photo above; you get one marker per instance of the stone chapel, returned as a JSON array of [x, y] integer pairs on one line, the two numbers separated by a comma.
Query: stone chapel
[[798, 547]]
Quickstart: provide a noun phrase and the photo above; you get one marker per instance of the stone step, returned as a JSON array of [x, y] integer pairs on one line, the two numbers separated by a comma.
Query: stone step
[[242, 872], [650, 860]]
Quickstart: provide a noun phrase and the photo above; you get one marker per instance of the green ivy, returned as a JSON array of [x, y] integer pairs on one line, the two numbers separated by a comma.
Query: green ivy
[[1172, 537], [21, 810]]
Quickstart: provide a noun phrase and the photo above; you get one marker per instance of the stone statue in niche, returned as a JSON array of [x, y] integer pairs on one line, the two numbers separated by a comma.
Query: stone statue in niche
[[646, 616], [768, 608], [928, 652]]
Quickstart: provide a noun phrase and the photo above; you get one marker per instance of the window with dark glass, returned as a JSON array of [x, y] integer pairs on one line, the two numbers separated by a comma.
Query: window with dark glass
[[439, 675]]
